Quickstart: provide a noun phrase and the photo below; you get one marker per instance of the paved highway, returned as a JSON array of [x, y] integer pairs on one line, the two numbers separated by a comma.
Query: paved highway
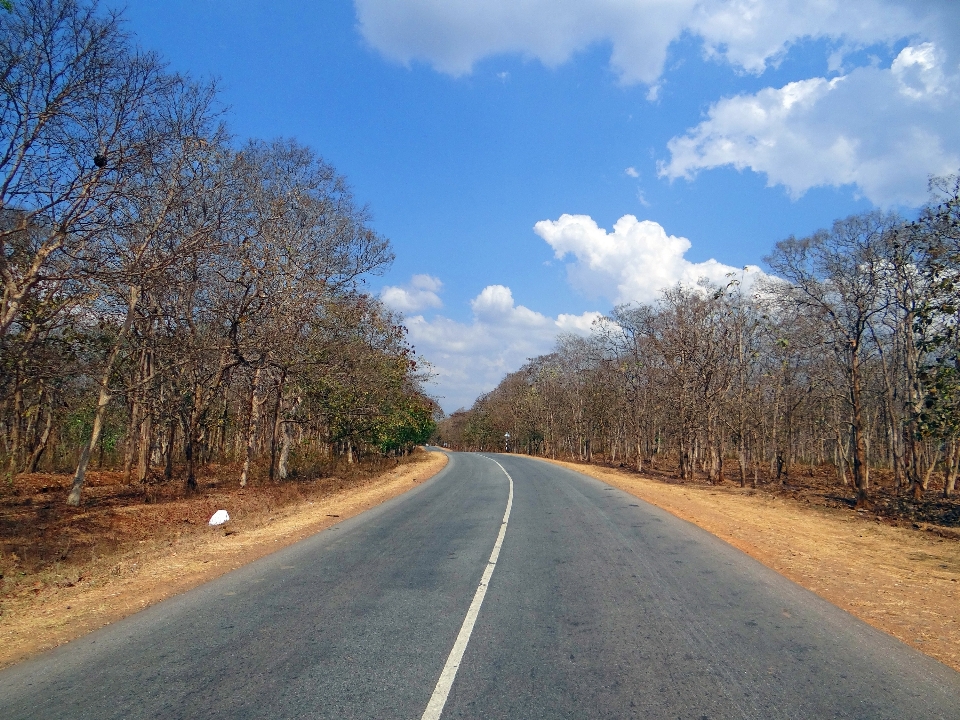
[[580, 602]]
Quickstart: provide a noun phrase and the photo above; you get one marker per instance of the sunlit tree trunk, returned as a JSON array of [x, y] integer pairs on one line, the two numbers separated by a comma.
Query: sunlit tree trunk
[[103, 399], [253, 425], [861, 473]]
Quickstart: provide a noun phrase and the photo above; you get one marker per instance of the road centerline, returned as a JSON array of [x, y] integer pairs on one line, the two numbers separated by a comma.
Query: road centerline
[[449, 672]]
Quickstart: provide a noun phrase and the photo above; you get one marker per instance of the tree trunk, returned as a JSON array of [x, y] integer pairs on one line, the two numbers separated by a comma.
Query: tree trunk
[[911, 450], [103, 399], [929, 471], [710, 461], [168, 458], [145, 428], [133, 433], [276, 423], [841, 462], [251, 427], [190, 455], [41, 443], [143, 448], [861, 478], [282, 471], [684, 459], [130, 447], [950, 471], [15, 422], [742, 462], [896, 450]]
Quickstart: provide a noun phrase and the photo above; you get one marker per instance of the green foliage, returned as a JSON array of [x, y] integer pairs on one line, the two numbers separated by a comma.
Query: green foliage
[[409, 423], [937, 323]]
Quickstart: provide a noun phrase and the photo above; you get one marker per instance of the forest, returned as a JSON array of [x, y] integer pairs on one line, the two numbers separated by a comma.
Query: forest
[[174, 297], [845, 356]]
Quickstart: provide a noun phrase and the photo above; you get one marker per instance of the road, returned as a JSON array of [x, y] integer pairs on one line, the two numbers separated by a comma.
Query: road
[[598, 605]]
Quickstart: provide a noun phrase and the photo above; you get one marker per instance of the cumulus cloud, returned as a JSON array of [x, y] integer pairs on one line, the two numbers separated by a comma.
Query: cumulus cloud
[[634, 262], [471, 358], [417, 295], [754, 34], [883, 130], [452, 35], [632, 172], [919, 72]]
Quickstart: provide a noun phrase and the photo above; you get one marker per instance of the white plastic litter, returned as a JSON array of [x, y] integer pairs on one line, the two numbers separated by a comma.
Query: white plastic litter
[[219, 517]]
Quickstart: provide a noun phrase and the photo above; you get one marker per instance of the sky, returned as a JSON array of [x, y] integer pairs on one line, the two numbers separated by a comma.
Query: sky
[[537, 162]]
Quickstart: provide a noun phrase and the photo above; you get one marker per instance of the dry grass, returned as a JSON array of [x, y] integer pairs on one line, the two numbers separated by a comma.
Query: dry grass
[[902, 578], [66, 572]]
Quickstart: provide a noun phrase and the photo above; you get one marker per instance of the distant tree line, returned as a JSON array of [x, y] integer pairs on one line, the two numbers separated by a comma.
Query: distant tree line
[[172, 298], [847, 355]]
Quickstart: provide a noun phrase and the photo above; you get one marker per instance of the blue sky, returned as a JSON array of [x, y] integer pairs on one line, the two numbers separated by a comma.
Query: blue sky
[[499, 143]]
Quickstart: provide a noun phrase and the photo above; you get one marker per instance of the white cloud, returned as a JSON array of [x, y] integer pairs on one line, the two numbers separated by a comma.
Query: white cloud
[[883, 130], [452, 35], [632, 172], [417, 295], [919, 71], [754, 34], [471, 358], [631, 264]]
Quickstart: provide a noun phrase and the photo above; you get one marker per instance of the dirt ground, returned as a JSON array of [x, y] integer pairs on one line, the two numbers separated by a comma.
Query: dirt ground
[[66, 572], [896, 572]]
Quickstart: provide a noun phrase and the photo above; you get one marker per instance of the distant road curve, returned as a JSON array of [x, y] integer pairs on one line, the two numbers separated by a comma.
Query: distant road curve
[[595, 604]]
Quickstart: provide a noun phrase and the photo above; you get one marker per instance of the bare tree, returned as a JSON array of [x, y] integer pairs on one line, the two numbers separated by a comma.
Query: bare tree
[[836, 276], [849, 356], [73, 103], [156, 222]]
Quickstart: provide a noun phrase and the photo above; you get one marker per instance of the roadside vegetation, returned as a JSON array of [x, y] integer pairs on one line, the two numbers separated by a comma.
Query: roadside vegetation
[[174, 299], [184, 327], [836, 377]]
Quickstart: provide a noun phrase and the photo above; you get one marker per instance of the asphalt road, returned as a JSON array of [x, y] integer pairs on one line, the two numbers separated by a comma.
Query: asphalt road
[[598, 606]]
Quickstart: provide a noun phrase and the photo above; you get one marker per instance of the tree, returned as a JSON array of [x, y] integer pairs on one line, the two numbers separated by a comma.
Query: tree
[[75, 101], [836, 277], [153, 225]]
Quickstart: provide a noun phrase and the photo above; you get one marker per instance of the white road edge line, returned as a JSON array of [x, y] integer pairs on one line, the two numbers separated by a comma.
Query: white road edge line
[[449, 672]]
